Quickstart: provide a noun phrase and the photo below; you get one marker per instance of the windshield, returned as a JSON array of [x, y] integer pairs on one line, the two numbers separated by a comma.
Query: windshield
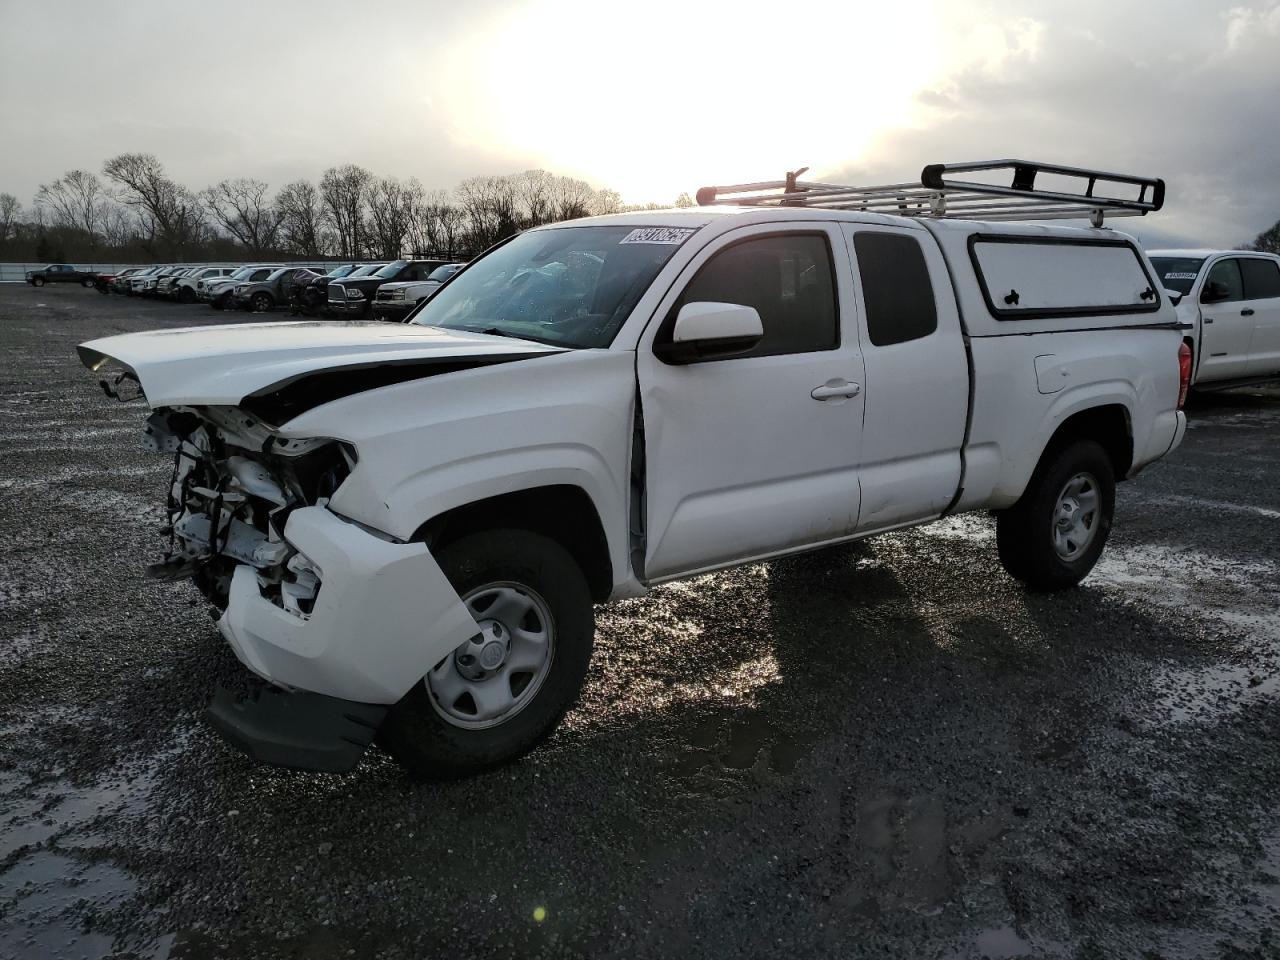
[[364, 271], [277, 274], [341, 271], [441, 274], [391, 269], [1177, 273], [241, 273], [570, 286]]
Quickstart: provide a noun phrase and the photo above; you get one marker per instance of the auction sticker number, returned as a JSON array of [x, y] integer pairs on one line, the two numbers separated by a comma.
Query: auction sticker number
[[670, 235]]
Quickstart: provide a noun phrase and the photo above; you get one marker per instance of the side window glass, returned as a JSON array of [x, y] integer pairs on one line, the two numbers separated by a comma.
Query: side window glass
[[1261, 278], [896, 289], [1227, 273], [787, 279]]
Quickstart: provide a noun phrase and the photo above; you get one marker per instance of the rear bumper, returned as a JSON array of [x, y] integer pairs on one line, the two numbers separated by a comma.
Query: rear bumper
[[1166, 433], [383, 616]]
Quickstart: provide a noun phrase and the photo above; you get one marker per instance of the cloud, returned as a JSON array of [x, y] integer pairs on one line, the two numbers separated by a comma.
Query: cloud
[[1186, 91]]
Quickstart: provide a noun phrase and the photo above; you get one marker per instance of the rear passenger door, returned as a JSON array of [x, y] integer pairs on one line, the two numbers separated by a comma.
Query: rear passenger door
[[1262, 296], [917, 375], [752, 455], [1226, 330]]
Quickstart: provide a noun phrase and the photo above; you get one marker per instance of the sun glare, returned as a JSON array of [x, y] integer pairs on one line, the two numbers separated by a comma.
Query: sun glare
[[665, 96]]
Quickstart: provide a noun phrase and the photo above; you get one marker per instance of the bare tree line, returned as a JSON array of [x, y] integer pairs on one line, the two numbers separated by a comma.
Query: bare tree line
[[136, 209]]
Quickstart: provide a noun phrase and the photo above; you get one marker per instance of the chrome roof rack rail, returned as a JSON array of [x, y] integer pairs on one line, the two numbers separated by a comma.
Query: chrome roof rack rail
[[1008, 192]]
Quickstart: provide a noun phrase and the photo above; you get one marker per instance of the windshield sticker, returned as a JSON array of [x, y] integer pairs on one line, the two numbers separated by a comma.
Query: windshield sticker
[[1179, 276], [672, 235]]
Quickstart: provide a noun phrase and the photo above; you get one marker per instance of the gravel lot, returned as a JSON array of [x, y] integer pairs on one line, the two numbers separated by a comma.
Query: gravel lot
[[888, 750]]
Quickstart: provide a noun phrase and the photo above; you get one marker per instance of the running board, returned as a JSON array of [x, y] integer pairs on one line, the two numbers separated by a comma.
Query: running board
[[1219, 385]]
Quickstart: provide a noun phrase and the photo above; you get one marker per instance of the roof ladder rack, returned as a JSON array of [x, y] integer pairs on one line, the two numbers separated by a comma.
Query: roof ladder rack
[[1009, 192]]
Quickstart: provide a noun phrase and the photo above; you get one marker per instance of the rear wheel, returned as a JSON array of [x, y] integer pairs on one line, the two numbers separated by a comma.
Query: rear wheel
[[87, 282], [261, 303], [1052, 537], [503, 691]]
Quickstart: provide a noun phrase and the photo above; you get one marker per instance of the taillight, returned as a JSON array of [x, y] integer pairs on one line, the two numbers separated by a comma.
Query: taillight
[[1184, 372]]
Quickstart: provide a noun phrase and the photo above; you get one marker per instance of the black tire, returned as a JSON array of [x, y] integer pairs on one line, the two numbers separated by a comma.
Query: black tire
[[37, 281], [1025, 533], [86, 282], [261, 303], [218, 303], [429, 746], [186, 295]]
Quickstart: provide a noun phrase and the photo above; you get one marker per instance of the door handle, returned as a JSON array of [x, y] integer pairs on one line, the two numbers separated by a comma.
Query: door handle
[[835, 388], [1247, 312], [1208, 319]]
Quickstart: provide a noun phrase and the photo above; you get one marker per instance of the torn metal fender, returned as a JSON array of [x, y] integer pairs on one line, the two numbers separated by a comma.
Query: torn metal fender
[[384, 615]]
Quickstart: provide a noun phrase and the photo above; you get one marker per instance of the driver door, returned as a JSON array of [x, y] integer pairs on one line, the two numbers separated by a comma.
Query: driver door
[[753, 455], [1225, 328]]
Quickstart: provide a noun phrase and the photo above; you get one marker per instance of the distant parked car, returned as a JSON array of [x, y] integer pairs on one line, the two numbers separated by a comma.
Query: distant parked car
[[311, 299], [262, 295], [165, 284], [220, 292], [395, 300], [121, 282], [144, 279], [104, 283], [184, 288], [59, 273], [353, 296]]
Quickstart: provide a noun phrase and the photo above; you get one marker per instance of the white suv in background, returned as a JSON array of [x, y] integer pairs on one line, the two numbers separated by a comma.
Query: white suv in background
[[185, 288], [1231, 298]]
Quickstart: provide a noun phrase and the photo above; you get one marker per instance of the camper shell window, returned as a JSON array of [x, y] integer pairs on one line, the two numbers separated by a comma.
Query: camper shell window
[[1025, 278]]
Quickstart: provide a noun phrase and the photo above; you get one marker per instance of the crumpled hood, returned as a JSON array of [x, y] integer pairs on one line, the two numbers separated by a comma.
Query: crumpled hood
[[221, 365]]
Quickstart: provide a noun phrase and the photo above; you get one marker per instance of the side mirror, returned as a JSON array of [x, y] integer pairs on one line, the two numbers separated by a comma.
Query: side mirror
[[1215, 291], [1174, 296], [711, 331]]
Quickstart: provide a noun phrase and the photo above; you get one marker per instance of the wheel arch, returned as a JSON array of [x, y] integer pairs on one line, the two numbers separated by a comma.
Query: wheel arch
[[1110, 424], [563, 513]]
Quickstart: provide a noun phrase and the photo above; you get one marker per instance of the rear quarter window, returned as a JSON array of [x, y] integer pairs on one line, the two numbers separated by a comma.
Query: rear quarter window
[[1261, 278], [1041, 277]]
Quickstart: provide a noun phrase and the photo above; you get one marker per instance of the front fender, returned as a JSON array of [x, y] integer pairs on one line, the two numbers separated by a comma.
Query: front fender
[[428, 446]]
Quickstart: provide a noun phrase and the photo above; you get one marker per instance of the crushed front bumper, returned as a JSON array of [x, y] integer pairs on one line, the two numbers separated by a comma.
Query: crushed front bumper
[[383, 616]]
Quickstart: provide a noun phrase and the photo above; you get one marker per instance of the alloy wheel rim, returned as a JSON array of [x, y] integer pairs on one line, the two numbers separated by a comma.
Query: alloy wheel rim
[[1076, 515], [495, 674]]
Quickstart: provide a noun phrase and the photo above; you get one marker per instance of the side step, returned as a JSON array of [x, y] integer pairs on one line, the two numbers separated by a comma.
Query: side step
[[304, 731], [1215, 386]]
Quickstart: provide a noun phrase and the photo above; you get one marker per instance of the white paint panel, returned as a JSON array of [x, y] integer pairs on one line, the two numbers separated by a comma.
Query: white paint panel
[[1061, 276]]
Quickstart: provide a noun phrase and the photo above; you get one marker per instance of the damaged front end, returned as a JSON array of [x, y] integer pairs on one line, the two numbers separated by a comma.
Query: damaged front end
[[235, 482]]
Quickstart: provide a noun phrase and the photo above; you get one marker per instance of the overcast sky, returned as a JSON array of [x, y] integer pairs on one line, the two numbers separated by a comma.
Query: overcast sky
[[658, 97]]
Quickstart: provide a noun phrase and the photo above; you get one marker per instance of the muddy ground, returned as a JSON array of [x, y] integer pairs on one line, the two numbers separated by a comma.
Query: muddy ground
[[883, 751]]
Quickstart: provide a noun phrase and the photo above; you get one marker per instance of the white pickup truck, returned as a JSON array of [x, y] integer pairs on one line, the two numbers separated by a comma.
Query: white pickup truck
[[406, 526], [1231, 303]]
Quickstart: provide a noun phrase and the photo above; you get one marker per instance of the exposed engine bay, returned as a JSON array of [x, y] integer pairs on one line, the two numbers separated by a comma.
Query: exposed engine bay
[[235, 481]]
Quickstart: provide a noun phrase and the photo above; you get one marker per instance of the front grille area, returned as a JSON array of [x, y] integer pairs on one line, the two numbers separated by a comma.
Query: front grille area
[[337, 293]]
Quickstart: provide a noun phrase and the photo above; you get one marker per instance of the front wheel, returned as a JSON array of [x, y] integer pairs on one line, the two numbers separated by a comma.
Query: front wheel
[[261, 303], [37, 281], [503, 691], [186, 295], [1052, 537]]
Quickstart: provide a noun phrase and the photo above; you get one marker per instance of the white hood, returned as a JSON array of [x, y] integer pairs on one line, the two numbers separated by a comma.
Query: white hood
[[222, 365]]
